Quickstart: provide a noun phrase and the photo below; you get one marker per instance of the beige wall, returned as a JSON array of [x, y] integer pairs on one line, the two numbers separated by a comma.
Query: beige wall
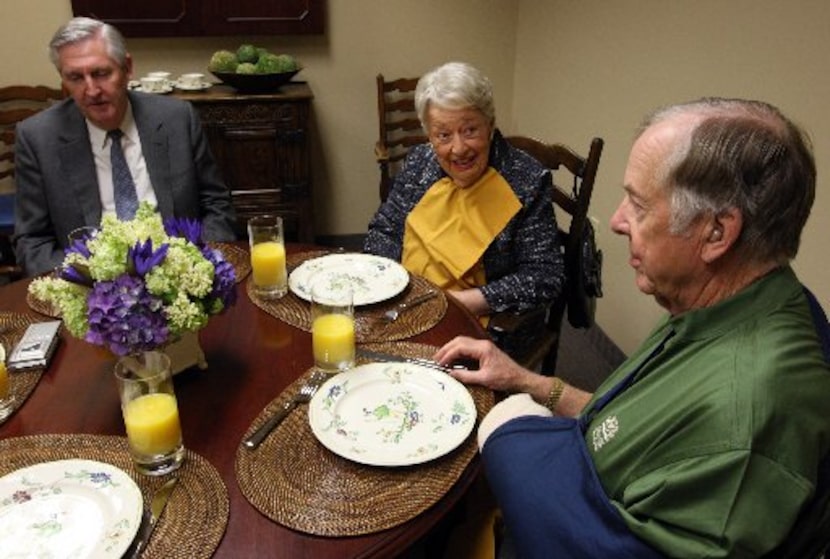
[[595, 67], [562, 70]]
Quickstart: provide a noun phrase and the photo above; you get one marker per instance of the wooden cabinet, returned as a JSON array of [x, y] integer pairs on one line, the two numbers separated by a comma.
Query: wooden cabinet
[[261, 144], [193, 18]]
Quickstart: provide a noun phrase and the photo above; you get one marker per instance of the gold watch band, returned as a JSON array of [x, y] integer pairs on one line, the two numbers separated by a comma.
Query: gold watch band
[[554, 394]]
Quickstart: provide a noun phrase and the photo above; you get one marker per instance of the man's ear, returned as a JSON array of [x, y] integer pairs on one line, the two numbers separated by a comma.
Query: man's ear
[[724, 232], [128, 66]]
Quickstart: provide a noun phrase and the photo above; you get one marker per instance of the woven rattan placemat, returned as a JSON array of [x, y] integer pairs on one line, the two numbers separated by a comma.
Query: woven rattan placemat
[[294, 480], [196, 515], [42, 307], [236, 255], [368, 324], [21, 383]]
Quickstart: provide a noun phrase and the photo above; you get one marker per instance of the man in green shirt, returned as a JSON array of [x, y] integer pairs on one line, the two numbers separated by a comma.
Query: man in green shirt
[[710, 440]]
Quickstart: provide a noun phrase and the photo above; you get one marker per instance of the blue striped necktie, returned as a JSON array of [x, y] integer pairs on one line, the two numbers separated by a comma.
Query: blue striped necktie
[[126, 199]]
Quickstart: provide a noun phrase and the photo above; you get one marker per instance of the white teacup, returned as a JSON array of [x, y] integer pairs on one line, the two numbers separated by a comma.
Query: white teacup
[[191, 80], [153, 84], [163, 75]]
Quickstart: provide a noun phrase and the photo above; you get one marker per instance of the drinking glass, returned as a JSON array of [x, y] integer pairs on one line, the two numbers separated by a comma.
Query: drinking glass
[[151, 413], [6, 396], [267, 256], [332, 326], [83, 234]]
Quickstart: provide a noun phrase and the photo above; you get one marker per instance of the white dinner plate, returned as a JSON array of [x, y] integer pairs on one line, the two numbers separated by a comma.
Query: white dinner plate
[[392, 414], [372, 278], [68, 508]]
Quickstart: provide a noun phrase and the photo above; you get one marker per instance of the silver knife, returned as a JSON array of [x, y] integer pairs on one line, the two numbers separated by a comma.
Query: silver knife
[[391, 357], [160, 498]]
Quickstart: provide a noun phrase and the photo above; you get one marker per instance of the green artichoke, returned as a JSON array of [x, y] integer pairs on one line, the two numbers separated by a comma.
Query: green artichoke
[[223, 61], [247, 53]]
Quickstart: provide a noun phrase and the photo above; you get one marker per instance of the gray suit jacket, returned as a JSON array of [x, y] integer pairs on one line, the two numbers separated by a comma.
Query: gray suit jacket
[[57, 186]]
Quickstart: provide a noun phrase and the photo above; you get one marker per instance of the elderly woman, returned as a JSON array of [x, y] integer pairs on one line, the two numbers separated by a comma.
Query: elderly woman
[[468, 211], [713, 438]]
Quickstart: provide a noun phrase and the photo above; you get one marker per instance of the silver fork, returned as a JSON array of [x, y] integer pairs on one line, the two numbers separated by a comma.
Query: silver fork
[[392, 314], [302, 396]]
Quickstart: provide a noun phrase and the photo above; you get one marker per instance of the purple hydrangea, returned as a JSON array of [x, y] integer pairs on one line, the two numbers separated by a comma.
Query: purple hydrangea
[[125, 317]]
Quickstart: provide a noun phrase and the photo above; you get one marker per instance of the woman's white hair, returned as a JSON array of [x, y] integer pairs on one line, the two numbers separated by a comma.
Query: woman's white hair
[[454, 85]]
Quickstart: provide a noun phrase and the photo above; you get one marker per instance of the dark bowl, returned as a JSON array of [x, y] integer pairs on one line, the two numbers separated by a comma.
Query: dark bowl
[[256, 83]]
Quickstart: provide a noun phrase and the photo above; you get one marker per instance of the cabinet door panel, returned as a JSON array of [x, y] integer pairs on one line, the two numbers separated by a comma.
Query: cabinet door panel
[[148, 18], [251, 161], [170, 18], [264, 16]]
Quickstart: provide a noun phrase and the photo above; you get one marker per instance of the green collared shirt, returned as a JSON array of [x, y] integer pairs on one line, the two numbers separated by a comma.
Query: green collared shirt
[[713, 449]]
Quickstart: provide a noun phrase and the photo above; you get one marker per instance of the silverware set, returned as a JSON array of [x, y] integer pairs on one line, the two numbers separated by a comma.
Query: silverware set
[[393, 314], [302, 396], [150, 518], [429, 363]]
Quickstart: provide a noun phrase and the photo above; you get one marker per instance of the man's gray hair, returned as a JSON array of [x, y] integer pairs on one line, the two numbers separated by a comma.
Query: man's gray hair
[[741, 154], [81, 29]]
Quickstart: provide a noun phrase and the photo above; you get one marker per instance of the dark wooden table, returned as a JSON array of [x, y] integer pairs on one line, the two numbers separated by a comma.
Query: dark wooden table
[[258, 356]]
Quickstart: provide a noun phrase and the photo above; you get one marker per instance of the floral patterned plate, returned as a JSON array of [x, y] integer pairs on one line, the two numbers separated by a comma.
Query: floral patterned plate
[[372, 278], [392, 414], [68, 508]]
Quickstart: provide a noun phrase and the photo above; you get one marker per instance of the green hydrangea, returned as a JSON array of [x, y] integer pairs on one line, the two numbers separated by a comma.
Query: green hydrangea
[[246, 68], [69, 298]]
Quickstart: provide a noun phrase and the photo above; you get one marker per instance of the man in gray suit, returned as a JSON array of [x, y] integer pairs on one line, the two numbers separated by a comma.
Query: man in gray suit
[[63, 169]]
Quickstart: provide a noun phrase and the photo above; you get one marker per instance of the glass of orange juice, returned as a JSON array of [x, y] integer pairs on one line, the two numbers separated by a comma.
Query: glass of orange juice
[[6, 396], [265, 235], [332, 325], [151, 412]]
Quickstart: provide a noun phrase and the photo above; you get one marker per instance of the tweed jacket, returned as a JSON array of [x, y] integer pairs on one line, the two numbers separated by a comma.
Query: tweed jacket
[[523, 265], [57, 185]]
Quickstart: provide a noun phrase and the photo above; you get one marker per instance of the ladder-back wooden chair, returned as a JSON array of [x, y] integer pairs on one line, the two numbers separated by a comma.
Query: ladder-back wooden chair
[[574, 202], [398, 127], [17, 102]]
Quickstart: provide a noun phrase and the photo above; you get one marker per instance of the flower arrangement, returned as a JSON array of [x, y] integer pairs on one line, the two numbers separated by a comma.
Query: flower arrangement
[[137, 285]]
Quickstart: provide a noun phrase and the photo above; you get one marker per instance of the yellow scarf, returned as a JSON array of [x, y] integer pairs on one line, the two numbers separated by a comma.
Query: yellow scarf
[[448, 231]]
